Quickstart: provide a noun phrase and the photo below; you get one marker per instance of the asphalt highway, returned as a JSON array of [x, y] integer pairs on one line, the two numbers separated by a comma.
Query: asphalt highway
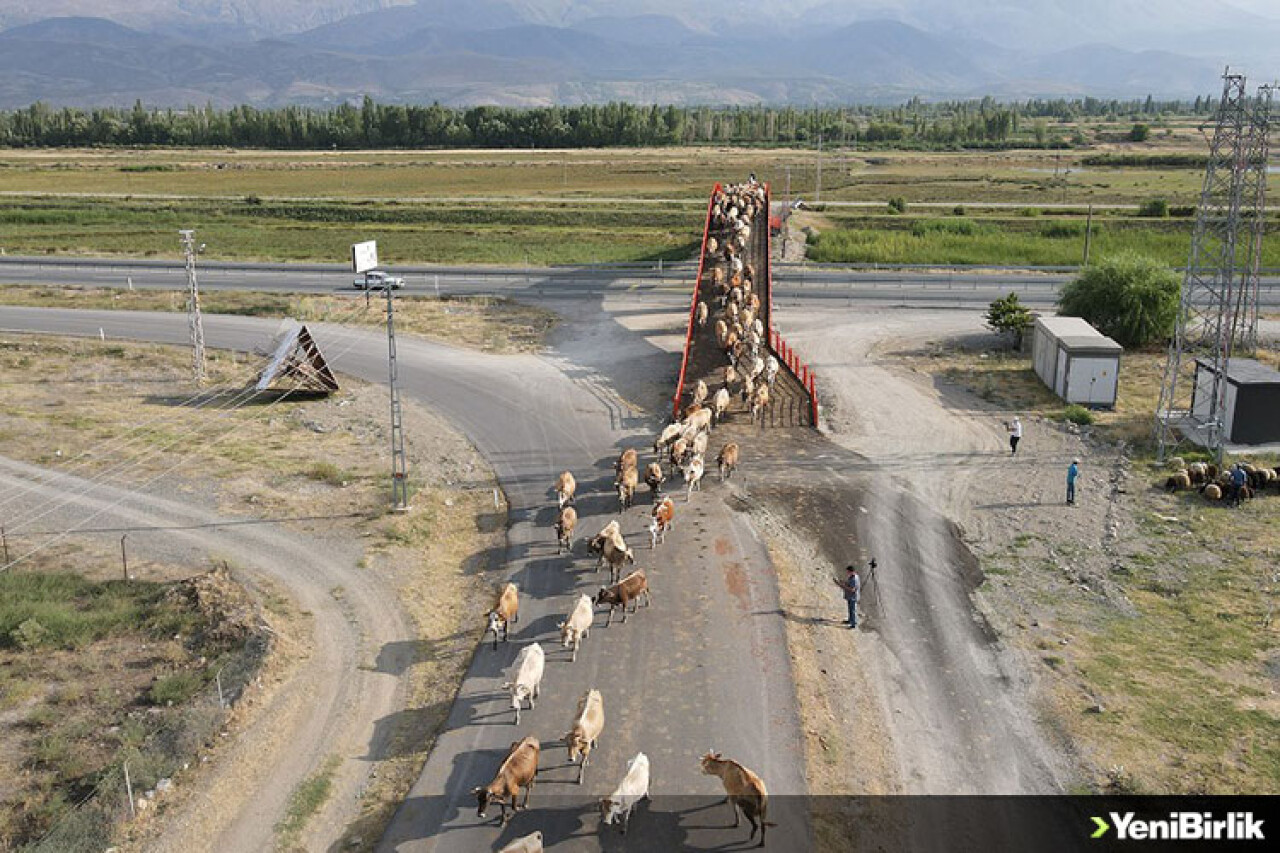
[[705, 667], [794, 284]]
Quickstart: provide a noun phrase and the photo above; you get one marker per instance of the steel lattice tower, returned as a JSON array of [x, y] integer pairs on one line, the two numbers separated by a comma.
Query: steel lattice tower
[[194, 323], [1218, 311]]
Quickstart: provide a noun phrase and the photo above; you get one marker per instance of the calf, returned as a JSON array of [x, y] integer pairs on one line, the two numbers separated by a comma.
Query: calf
[[702, 314], [565, 487], [505, 611], [727, 460], [759, 402], [745, 789], [528, 682], [565, 524], [616, 808], [531, 843], [654, 478], [663, 516], [623, 593], [582, 738], [519, 770], [577, 626]]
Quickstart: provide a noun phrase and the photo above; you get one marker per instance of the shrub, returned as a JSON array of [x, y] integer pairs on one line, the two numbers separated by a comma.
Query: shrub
[[1139, 132], [958, 210], [1078, 414], [959, 227], [1154, 207], [1007, 315], [897, 205], [1063, 230], [1129, 297], [176, 688]]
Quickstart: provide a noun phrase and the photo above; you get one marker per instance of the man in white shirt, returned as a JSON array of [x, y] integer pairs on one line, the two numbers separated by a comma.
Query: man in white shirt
[[1015, 434]]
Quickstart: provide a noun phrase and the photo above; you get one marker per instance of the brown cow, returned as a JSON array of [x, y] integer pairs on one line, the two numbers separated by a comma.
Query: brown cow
[[623, 593], [728, 460], [627, 459], [627, 481], [745, 789], [582, 738], [663, 518], [565, 487], [519, 770], [505, 611], [565, 524], [654, 478]]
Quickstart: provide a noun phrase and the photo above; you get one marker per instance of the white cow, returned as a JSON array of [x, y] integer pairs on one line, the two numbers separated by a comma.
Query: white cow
[[577, 626], [693, 472], [528, 681], [616, 808], [531, 843]]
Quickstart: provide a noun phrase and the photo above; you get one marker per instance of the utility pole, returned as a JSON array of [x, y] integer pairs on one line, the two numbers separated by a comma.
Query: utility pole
[[399, 465], [1088, 232], [817, 193], [193, 305]]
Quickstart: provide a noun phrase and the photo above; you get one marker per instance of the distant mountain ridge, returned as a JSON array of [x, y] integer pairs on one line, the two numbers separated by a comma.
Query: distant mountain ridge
[[537, 52]]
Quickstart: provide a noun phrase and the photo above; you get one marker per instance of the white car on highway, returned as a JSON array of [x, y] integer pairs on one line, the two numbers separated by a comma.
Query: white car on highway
[[378, 280]]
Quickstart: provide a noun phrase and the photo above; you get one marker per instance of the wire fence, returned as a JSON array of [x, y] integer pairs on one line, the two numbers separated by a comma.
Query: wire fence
[[159, 745]]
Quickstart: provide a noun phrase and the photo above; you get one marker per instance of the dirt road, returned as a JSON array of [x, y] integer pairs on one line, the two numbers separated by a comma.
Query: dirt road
[[327, 703], [914, 460]]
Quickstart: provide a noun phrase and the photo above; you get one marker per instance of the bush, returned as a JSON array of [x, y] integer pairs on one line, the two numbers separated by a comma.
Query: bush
[[1078, 414], [1063, 230], [897, 205], [176, 688], [958, 227], [1154, 207], [1139, 132], [1007, 315], [958, 210], [1129, 297]]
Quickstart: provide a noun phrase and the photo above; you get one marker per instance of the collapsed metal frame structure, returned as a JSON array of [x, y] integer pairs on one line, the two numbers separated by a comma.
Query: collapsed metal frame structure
[[1218, 309]]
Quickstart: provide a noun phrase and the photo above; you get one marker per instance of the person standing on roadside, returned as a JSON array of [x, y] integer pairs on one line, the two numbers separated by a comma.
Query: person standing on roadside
[[1015, 434], [852, 587], [1073, 473]]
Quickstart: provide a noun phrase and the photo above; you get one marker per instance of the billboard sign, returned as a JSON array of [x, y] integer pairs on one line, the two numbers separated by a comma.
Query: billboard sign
[[364, 256]]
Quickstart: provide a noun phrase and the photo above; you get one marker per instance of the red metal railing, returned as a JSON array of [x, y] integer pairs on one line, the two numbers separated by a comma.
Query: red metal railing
[[693, 304], [787, 357]]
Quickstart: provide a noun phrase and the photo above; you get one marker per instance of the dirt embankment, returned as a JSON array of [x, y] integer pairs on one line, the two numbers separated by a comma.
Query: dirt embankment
[[368, 608]]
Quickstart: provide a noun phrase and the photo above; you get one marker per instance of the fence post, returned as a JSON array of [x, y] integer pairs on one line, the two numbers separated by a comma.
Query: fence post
[[128, 787], [124, 557], [5, 541]]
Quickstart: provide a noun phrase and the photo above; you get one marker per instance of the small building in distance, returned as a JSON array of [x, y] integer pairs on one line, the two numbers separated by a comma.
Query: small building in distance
[[1251, 400], [1077, 362]]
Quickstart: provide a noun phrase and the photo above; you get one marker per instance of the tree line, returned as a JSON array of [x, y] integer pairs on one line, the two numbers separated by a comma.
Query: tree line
[[955, 124]]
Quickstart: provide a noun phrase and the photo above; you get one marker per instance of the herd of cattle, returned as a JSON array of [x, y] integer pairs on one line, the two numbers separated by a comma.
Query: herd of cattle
[[682, 445]]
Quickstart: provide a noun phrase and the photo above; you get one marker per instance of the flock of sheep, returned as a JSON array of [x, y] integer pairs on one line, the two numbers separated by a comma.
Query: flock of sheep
[[683, 445], [1216, 485]]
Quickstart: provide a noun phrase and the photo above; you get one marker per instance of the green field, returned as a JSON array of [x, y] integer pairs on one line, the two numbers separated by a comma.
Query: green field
[[544, 207]]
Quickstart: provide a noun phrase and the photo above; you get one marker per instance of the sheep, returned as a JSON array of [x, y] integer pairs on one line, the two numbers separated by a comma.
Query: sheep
[[730, 375], [719, 405], [565, 487], [565, 524], [713, 246], [702, 314], [1198, 472], [748, 388], [727, 460], [678, 448], [1178, 480], [698, 447], [757, 368], [693, 471], [1211, 492], [627, 480]]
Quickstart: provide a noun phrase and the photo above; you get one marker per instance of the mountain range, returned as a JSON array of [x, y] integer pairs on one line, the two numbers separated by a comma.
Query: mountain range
[[539, 52]]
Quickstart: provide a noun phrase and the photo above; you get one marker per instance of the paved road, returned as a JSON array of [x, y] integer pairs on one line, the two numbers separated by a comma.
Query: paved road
[[705, 667], [793, 285]]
